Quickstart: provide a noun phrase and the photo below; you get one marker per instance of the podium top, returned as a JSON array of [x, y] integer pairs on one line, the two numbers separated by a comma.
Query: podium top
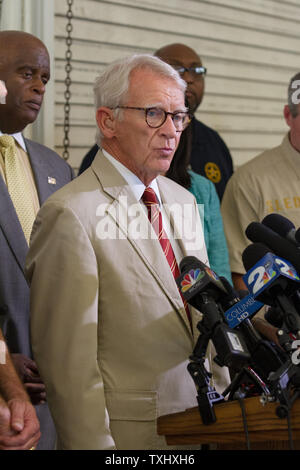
[[262, 422]]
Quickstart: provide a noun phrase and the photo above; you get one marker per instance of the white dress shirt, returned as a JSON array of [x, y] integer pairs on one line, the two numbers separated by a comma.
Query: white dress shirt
[[138, 189]]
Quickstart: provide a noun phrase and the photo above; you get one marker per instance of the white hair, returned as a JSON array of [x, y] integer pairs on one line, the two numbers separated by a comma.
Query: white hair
[[112, 86]]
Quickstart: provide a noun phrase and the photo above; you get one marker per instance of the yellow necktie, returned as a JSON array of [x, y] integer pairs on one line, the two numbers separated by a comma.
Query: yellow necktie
[[17, 184]]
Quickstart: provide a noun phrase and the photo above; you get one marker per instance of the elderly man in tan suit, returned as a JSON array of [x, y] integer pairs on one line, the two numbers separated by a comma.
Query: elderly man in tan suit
[[110, 332]]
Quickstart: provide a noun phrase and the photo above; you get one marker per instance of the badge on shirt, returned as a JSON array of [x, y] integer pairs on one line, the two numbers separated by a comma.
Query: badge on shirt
[[213, 172], [51, 180]]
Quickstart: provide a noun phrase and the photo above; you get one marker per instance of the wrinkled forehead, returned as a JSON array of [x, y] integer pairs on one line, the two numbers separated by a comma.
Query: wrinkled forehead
[[14, 55], [153, 89]]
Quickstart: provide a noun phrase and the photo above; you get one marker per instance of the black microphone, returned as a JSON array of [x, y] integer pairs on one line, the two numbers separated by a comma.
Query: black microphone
[[283, 226], [259, 233], [274, 316], [273, 281], [244, 324], [202, 288], [195, 276], [265, 357]]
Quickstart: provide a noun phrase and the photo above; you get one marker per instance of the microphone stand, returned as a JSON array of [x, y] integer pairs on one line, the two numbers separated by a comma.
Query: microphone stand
[[276, 386], [285, 387], [206, 394], [285, 381], [212, 327]]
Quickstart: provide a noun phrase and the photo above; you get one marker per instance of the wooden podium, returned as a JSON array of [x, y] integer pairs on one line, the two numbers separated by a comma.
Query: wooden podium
[[266, 430]]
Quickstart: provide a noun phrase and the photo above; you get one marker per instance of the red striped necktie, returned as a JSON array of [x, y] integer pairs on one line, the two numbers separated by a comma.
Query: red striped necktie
[[154, 215]]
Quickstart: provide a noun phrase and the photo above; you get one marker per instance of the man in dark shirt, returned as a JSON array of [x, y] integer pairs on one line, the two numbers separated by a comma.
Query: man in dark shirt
[[210, 156]]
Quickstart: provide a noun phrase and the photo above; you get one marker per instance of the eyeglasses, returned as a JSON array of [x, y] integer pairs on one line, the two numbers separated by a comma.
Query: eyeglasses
[[196, 72], [155, 117]]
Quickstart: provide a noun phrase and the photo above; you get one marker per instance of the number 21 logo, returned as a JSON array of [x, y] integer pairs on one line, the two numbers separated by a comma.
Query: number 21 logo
[[262, 275]]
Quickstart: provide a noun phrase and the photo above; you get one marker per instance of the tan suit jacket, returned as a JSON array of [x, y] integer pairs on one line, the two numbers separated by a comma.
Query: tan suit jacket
[[109, 330]]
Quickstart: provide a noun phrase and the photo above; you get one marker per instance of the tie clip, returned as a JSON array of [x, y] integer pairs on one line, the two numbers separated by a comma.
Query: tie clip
[[51, 180]]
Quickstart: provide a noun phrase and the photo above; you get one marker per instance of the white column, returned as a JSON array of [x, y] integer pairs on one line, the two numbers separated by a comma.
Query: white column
[[12, 12], [39, 20]]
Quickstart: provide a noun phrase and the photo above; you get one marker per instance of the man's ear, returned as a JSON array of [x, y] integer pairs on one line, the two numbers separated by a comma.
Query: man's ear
[[106, 121], [287, 115]]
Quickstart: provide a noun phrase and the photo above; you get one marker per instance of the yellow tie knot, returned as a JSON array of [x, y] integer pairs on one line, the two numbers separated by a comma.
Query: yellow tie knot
[[18, 184], [6, 141]]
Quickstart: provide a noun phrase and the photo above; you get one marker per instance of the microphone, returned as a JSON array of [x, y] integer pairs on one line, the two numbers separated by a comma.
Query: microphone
[[202, 288], [273, 281], [195, 276], [284, 227], [274, 316], [264, 355], [259, 233], [239, 306]]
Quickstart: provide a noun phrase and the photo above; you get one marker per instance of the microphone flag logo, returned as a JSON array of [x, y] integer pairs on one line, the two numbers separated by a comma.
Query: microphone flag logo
[[191, 278], [266, 270]]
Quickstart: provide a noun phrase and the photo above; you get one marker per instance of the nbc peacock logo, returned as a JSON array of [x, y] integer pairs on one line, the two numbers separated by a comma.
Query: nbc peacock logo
[[193, 276]]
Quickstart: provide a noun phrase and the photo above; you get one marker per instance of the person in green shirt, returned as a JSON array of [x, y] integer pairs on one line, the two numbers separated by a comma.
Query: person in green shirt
[[206, 196]]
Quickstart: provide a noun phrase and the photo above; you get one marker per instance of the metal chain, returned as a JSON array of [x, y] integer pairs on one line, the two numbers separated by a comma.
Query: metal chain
[[68, 82]]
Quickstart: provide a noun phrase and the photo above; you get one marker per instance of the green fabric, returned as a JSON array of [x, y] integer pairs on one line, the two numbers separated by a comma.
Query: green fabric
[[206, 195]]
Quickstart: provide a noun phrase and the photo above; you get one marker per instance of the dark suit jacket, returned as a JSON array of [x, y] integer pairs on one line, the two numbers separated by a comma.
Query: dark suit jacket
[[14, 290]]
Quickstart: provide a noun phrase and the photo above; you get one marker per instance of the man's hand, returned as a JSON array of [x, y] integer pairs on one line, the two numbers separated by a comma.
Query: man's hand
[[19, 426], [265, 328], [29, 374]]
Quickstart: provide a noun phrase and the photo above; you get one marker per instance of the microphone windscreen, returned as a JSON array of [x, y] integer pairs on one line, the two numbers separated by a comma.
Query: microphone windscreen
[[260, 233], [253, 253], [279, 224], [188, 262], [228, 286]]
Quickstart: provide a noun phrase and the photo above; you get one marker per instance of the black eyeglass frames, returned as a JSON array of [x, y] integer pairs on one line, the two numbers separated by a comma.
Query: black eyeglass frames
[[156, 117]]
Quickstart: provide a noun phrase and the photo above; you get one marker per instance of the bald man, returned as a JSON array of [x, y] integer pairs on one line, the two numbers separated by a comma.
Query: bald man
[[210, 156], [29, 173]]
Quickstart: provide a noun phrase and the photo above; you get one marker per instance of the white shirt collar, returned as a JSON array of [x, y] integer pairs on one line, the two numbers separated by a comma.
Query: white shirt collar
[[19, 138], [133, 181]]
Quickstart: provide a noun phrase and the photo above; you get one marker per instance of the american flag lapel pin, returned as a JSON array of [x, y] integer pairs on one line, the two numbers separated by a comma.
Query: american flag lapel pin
[[51, 180]]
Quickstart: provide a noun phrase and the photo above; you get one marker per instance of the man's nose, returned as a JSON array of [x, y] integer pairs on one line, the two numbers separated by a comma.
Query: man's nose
[[39, 86], [168, 128], [187, 76]]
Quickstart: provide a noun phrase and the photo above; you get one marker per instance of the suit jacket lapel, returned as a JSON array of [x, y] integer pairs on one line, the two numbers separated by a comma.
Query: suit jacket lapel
[[11, 226], [149, 250], [9, 221], [41, 171]]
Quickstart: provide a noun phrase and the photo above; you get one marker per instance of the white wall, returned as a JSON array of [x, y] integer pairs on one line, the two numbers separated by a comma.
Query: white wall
[[251, 50]]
